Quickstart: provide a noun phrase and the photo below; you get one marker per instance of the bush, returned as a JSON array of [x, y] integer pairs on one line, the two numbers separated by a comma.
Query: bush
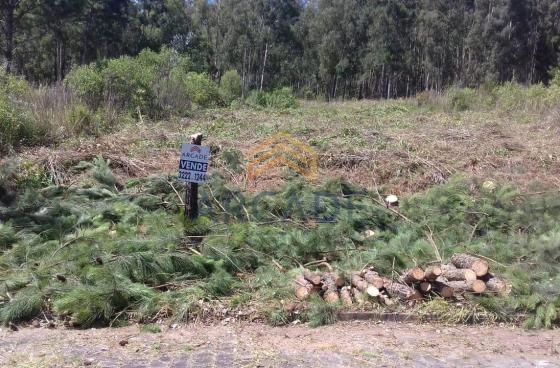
[[86, 82], [462, 99], [201, 89], [17, 126], [81, 120], [555, 77], [153, 84], [230, 86], [282, 98]]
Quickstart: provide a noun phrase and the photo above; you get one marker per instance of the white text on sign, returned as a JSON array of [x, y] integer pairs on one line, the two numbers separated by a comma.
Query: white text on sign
[[193, 164]]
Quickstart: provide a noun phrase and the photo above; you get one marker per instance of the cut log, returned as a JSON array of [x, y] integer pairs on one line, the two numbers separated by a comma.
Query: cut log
[[346, 296], [330, 287], [373, 278], [358, 296], [457, 274], [387, 301], [432, 273], [475, 286], [479, 266], [425, 287], [372, 291], [439, 286], [497, 284], [312, 277], [398, 290], [338, 281], [412, 276], [358, 282], [302, 287]]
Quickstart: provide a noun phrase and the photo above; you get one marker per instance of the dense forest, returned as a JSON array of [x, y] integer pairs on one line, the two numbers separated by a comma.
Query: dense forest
[[331, 48]]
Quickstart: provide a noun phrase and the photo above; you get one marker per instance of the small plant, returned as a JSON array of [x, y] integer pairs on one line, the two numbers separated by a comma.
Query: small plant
[[201, 89], [151, 328], [230, 86], [282, 98], [321, 313], [462, 99]]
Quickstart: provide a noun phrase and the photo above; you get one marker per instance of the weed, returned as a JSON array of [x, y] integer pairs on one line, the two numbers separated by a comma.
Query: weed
[[151, 328]]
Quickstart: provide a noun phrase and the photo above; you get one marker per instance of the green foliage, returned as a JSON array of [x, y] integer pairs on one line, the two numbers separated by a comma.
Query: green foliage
[[151, 328], [17, 125], [282, 98], [7, 235], [462, 99], [81, 120], [321, 313], [201, 89], [152, 83], [25, 306], [117, 254], [86, 82], [555, 77], [230, 86]]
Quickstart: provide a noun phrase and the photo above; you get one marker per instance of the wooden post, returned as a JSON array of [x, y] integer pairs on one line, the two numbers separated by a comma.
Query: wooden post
[[191, 194]]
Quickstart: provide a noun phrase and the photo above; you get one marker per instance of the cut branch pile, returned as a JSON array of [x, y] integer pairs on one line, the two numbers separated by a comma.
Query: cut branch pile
[[465, 274]]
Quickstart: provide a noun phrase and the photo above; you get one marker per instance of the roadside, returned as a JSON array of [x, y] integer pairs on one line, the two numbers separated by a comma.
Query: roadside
[[345, 344]]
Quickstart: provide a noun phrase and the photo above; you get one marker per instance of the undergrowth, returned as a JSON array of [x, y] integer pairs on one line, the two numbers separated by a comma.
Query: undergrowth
[[102, 252]]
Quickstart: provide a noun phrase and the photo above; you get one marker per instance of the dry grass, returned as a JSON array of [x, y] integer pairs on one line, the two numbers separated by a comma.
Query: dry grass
[[396, 144]]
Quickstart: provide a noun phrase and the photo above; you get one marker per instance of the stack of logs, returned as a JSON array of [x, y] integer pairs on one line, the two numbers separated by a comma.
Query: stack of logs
[[465, 274]]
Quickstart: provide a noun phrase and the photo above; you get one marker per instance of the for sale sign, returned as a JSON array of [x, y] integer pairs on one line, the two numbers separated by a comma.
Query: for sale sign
[[194, 163]]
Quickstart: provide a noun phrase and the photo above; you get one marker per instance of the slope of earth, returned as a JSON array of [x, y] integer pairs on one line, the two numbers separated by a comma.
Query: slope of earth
[[347, 344], [392, 143]]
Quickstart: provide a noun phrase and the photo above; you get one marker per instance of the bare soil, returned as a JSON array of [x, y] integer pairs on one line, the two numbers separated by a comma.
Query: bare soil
[[346, 344]]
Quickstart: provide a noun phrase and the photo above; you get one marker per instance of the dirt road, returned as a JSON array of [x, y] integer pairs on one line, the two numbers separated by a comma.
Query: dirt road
[[347, 344]]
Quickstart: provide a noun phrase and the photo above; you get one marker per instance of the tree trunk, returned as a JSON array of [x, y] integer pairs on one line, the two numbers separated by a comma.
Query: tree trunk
[[497, 284], [358, 296], [303, 287], [312, 277], [264, 66], [457, 274], [442, 288], [479, 266], [346, 296], [359, 283], [412, 276], [373, 278], [404, 292], [330, 287], [475, 286], [432, 273], [8, 10], [425, 287]]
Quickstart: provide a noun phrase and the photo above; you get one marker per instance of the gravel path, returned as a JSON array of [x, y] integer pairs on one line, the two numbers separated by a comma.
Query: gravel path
[[346, 344]]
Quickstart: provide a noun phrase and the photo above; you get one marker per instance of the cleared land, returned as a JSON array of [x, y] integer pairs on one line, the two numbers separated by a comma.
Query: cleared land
[[396, 144]]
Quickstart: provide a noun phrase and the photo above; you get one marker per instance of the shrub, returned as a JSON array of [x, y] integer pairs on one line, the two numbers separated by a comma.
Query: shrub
[[230, 86], [151, 83], [555, 77], [81, 120], [462, 99], [511, 96], [282, 98], [17, 126], [201, 89], [129, 85], [86, 82]]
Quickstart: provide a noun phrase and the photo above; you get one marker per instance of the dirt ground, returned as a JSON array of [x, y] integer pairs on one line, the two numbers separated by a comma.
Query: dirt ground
[[345, 344]]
